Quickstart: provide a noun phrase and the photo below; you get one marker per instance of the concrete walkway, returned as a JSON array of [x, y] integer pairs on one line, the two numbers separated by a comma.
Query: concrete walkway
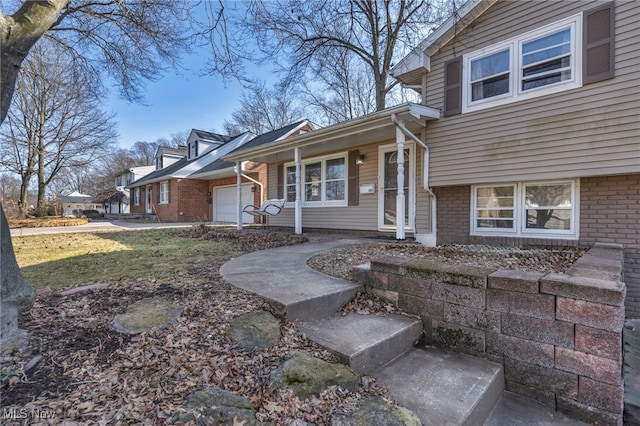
[[282, 276]]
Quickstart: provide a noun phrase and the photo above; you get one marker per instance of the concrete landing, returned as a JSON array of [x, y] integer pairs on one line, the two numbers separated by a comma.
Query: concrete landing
[[281, 275], [515, 410], [365, 342], [444, 388]]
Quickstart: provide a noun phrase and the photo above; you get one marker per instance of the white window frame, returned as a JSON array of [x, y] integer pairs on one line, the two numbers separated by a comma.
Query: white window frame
[[520, 213], [136, 196], [574, 23], [164, 192], [323, 202]]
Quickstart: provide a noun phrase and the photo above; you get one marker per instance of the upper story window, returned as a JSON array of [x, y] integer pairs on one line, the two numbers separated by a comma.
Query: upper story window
[[158, 162], [534, 64], [323, 181], [193, 150], [526, 209]]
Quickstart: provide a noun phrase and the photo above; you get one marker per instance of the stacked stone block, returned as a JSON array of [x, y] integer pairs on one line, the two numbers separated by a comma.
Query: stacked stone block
[[559, 336]]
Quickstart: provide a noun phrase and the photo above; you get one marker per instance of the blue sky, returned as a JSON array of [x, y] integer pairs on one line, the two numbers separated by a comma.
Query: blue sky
[[175, 103]]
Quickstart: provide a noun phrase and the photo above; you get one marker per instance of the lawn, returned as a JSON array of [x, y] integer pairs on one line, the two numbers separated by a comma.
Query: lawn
[[70, 260]]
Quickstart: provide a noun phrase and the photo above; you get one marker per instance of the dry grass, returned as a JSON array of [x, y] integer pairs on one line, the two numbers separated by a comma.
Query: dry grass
[[46, 222], [71, 260]]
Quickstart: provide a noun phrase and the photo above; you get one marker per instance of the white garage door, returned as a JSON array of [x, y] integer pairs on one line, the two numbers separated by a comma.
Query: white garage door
[[225, 203]]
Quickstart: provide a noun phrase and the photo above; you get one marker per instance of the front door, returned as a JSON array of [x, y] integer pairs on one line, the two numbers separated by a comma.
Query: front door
[[388, 184], [149, 199]]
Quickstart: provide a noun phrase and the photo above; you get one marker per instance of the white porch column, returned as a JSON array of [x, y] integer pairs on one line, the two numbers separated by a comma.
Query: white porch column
[[298, 205], [239, 191], [400, 198]]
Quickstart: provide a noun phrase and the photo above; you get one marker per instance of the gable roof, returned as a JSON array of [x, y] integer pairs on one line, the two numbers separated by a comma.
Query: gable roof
[[180, 151], [160, 174], [209, 136], [218, 166], [411, 68]]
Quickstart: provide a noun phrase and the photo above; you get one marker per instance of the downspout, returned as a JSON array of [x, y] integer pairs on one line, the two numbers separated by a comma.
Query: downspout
[[239, 192], [425, 181], [298, 206]]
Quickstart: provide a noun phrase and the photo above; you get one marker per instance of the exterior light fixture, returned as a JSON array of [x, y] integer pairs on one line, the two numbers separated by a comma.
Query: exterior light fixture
[[360, 160]]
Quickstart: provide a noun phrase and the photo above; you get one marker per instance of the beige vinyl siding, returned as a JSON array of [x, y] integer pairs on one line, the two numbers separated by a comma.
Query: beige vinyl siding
[[363, 217], [589, 131]]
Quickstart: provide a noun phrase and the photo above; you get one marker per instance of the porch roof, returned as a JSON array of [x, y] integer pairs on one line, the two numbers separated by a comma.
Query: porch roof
[[360, 131]]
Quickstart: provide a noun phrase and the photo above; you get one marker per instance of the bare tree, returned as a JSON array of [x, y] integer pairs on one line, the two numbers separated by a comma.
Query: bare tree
[[263, 109], [55, 122], [129, 40], [305, 37]]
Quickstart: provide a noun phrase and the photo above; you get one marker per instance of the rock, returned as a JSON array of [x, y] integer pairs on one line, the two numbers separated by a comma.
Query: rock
[[217, 406], [16, 295], [377, 411], [146, 314], [307, 375], [32, 363], [255, 330]]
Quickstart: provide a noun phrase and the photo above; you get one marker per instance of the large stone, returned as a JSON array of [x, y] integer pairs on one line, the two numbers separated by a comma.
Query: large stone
[[255, 330], [145, 314], [16, 295], [377, 411], [308, 376], [217, 406]]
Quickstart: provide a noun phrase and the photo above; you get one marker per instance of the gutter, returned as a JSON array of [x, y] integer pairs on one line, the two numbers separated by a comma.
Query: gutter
[[425, 180]]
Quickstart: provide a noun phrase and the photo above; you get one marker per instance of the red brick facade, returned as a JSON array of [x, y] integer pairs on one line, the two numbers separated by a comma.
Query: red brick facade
[[609, 213], [191, 200]]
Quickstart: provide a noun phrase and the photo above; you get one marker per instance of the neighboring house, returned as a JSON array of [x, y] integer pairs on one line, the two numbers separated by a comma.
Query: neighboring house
[[75, 203], [117, 200], [528, 133], [201, 186]]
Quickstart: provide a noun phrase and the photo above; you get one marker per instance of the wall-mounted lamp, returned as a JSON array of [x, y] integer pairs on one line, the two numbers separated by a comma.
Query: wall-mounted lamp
[[360, 160], [253, 189]]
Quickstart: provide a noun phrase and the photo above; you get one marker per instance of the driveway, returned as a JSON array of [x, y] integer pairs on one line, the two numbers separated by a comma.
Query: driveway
[[99, 226]]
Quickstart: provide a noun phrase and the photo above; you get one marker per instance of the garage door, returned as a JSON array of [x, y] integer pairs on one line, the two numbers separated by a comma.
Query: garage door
[[225, 203]]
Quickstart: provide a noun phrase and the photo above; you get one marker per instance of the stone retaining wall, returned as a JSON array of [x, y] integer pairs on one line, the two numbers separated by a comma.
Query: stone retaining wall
[[558, 336]]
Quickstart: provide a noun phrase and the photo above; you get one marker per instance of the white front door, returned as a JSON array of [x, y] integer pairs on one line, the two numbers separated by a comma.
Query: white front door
[[225, 203], [388, 184], [149, 200]]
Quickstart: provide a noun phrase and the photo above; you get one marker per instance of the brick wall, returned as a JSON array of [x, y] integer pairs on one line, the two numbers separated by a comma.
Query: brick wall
[[609, 213], [559, 337]]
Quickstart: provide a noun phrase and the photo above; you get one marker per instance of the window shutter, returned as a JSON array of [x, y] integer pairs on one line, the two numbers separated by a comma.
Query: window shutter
[[598, 44], [280, 181], [158, 194], [168, 191], [453, 87], [352, 180]]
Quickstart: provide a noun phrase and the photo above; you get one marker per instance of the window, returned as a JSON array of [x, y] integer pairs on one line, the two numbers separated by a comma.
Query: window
[[490, 75], [193, 150], [542, 209], [533, 64], [159, 162], [323, 181], [164, 192], [495, 207], [136, 196]]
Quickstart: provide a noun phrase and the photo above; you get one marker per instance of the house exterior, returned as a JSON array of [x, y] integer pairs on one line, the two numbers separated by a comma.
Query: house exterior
[[200, 186], [74, 203], [528, 133], [117, 200]]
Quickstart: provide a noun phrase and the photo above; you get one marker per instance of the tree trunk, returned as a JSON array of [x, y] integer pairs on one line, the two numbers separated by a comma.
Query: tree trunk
[[18, 33], [24, 194]]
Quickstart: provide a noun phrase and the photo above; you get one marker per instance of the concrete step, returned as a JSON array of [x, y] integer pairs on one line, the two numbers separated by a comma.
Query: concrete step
[[442, 387], [365, 342]]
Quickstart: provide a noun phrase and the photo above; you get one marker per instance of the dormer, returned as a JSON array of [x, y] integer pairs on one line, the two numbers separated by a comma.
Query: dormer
[[165, 156], [200, 142]]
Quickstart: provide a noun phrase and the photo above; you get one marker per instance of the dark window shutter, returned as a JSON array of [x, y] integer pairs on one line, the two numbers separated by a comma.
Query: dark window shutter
[[352, 180], [280, 181], [168, 191], [453, 87], [158, 193], [598, 44]]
